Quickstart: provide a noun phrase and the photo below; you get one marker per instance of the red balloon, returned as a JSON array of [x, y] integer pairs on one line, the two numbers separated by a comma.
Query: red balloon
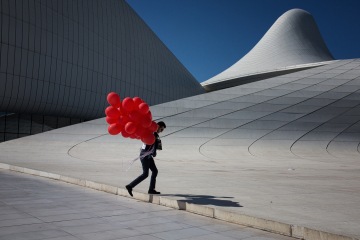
[[149, 115], [153, 126], [148, 139], [125, 134], [135, 116], [114, 129], [113, 99], [128, 104], [110, 120], [130, 127], [123, 119], [146, 121], [140, 131], [112, 112], [137, 101], [143, 108], [133, 136], [122, 110]]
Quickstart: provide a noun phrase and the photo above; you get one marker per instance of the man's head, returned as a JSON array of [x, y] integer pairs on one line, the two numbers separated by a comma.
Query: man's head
[[161, 127]]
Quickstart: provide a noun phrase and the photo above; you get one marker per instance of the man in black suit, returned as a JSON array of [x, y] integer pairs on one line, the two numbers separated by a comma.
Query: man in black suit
[[147, 154]]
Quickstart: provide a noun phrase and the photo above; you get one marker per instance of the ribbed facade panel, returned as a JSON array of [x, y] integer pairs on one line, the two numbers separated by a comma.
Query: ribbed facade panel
[[61, 58]]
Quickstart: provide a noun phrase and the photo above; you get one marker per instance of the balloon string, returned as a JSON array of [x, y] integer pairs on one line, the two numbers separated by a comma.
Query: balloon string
[[141, 156]]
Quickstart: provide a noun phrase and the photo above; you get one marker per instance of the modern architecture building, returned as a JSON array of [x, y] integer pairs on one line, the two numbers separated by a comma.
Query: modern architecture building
[[293, 43], [274, 144], [60, 59]]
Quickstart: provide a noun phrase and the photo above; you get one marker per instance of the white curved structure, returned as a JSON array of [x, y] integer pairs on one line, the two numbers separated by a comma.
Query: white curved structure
[[292, 43], [286, 149], [60, 59]]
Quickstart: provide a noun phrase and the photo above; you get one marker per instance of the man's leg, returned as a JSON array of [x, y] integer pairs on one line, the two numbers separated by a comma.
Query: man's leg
[[145, 165], [154, 173]]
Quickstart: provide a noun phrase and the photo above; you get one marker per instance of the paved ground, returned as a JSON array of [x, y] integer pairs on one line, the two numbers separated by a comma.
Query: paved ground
[[285, 149], [35, 208]]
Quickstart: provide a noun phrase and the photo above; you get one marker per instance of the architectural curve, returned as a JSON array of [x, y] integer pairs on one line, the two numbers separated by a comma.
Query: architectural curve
[[61, 58], [254, 141], [293, 42]]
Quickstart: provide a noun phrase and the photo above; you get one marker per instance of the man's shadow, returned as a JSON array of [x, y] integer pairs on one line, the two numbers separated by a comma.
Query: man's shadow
[[206, 200]]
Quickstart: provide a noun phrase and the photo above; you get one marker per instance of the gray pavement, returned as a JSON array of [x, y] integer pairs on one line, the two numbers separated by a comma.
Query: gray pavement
[[34, 208], [284, 151]]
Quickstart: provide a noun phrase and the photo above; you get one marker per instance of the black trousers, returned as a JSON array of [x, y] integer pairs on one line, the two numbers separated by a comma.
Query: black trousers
[[147, 163]]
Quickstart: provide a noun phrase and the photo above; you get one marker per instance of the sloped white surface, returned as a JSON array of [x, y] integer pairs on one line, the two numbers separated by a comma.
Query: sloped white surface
[[285, 149]]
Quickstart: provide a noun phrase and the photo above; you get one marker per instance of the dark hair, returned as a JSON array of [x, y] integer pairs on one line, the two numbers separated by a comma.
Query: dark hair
[[161, 124]]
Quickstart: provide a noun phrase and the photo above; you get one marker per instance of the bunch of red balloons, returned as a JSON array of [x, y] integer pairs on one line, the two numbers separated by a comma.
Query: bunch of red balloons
[[131, 117]]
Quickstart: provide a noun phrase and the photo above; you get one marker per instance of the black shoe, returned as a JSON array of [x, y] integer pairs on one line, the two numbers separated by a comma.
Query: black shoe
[[153, 192], [129, 189]]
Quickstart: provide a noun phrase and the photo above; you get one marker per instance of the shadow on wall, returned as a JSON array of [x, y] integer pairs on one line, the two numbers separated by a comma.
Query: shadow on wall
[[206, 200]]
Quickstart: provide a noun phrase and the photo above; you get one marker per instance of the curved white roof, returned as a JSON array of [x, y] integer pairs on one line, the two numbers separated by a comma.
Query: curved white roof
[[294, 39]]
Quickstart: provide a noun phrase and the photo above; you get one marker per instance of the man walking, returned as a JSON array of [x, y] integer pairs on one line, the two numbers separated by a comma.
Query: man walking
[[147, 154]]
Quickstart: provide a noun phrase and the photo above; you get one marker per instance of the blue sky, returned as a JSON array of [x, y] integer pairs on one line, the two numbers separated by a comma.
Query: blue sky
[[208, 36]]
